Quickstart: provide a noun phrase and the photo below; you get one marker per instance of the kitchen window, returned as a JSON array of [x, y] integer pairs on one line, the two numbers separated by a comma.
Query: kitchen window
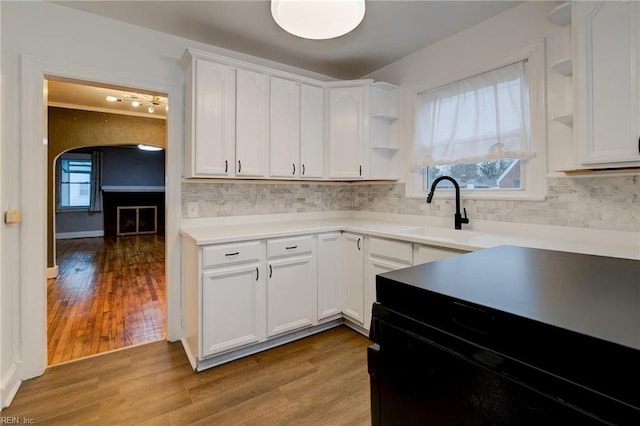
[[74, 189], [486, 131]]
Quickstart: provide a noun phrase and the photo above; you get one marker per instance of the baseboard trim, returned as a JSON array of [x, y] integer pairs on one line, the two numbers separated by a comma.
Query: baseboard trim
[[81, 234], [9, 386], [52, 272]]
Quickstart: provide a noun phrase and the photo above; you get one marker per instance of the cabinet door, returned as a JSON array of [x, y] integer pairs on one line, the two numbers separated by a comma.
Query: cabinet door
[[352, 276], [311, 132], [376, 266], [346, 132], [608, 82], [252, 124], [290, 289], [214, 119], [328, 275], [425, 254], [233, 308], [284, 146]]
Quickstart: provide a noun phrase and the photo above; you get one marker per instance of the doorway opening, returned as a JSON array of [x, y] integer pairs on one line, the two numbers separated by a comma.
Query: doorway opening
[[106, 200]]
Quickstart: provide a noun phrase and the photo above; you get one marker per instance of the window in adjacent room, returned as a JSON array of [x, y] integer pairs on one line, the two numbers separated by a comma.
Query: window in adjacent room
[[476, 130], [74, 189]]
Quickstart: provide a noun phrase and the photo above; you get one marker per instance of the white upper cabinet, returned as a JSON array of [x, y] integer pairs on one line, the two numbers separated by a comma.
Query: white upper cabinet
[[347, 132], [210, 104], [607, 82], [252, 123], [247, 121], [311, 132], [285, 129]]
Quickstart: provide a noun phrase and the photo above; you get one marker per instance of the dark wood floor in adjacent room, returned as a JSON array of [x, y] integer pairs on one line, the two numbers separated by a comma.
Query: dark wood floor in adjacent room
[[319, 380], [110, 293]]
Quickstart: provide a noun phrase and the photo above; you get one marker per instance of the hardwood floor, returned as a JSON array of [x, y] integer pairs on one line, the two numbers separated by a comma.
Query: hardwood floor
[[319, 380], [110, 293]]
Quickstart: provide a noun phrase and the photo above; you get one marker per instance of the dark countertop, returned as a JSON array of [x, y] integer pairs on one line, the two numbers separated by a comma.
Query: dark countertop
[[592, 295]]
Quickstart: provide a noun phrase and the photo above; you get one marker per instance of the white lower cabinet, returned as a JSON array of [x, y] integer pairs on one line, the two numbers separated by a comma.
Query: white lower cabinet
[[352, 276], [384, 256], [291, 284], [425, 254], [328, 303], [243, 297], [233, 299]]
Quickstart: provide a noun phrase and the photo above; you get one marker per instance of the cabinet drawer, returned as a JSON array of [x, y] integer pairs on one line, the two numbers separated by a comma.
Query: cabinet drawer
[[226, 254], [393, 250], [289, 246]]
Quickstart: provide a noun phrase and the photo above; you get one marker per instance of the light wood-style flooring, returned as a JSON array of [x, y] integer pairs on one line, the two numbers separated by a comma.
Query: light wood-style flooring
[[319, 380], [110, 293]]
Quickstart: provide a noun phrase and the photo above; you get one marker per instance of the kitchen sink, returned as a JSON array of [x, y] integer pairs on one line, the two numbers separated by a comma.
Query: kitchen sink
[[460, 236]]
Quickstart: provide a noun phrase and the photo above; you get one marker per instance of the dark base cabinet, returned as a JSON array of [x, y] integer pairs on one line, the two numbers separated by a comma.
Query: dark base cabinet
[[415, 381], [552, 339]]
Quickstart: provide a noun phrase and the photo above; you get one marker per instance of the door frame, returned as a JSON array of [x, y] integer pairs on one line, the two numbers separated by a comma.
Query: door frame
[[32, 346]]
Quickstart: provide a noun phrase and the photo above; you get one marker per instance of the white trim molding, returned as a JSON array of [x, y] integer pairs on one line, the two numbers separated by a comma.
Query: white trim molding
[[52, 272], [31, 344], [79, 234], [9, 386]]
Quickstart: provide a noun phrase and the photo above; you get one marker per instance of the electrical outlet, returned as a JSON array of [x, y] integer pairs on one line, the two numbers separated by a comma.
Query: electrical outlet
[[13, 216], [192, 209]]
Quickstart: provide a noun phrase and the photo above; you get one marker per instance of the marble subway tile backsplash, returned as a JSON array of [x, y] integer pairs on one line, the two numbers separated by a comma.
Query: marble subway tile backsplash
[[610, 203], [240, 199]]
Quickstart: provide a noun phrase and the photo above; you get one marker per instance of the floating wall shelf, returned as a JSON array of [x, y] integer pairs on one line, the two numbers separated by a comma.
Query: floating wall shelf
[[567, 119], [561, 15], [563, 67]]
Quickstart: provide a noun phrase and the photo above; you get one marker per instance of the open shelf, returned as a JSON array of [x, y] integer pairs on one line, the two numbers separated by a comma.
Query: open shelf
[[561, 15], [387, 117], [563, 67], [389, 149], [566, 119]]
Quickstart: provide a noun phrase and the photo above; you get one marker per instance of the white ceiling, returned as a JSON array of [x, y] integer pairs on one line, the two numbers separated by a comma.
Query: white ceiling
[[92, 97], [391, 29]]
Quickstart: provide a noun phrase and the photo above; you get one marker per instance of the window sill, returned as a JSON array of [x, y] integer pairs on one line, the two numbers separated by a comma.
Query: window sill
[[466, 195], [72, 210]]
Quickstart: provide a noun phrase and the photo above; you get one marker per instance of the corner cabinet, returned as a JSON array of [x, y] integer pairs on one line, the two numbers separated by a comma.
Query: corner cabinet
[[352, 276], [607, 82], [362, 130], [347, 132]]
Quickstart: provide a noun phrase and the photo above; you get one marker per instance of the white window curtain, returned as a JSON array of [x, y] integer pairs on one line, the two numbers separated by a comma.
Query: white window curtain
[[96, 181], [481, 118]]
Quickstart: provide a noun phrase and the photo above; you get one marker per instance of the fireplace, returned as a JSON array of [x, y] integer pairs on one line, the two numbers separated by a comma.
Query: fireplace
[[113, 199]]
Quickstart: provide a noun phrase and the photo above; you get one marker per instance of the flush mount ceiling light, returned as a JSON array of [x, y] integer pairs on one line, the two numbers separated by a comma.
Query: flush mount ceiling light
[[318, 19], [145, 101]]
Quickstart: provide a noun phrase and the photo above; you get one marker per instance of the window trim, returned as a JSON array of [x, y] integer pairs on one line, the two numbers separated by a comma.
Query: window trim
[[70, 156], [534, 170]]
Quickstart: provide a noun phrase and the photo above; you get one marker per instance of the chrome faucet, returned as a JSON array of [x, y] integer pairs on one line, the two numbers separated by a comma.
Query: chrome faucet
[[459, 220]]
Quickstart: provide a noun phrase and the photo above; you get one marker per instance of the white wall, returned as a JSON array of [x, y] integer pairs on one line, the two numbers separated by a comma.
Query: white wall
[[466, 53], [84, 44]]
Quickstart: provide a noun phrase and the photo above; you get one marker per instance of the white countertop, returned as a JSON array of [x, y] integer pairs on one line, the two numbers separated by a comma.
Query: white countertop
[[422, 230]]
